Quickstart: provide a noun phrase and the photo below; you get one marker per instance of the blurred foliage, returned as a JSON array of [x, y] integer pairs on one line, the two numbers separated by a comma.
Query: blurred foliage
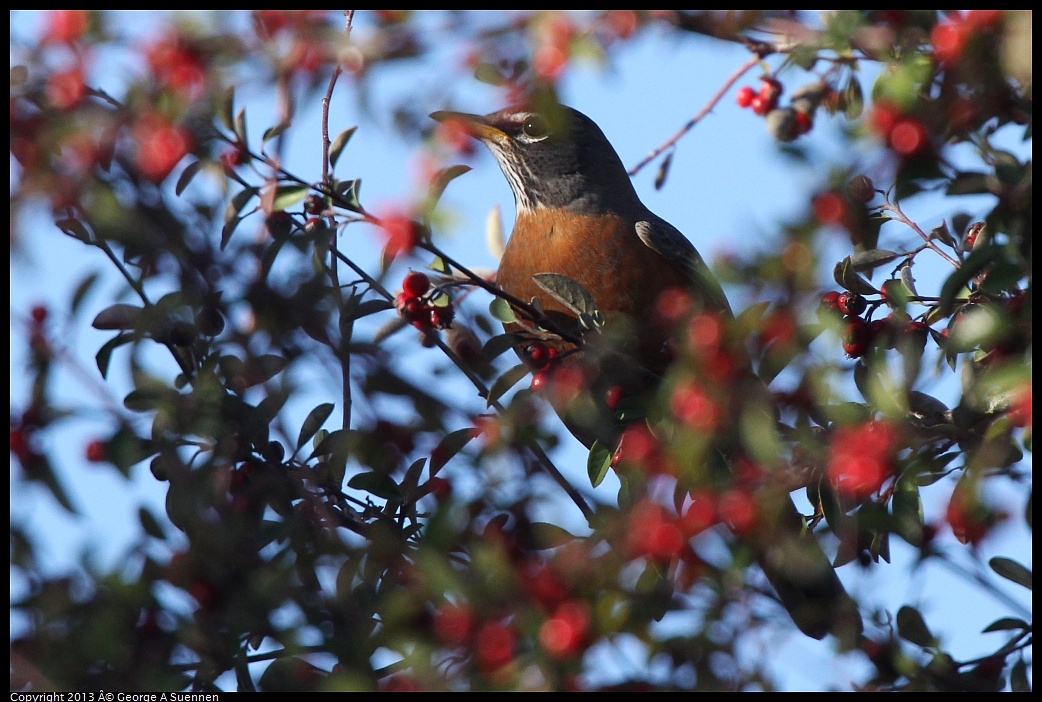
[[367, 545]]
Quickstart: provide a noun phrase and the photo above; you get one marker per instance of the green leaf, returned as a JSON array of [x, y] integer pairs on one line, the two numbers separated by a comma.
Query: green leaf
[[81, 291], [907, 506], [912, 627], [338, 145], [975, 263], [873, 258], [314, 421], [187, 175], [1006, 624], [500, 309], [104, 355], [288, 195], [74, 228], [598, 463], [239, 128], [450, 444], [548, 535], [506, 381], [119, 316], [272, 132], [568, 292], [498, 345], [374, 483], [150, 524], [1011, 570], [441, 180], [848, 278]]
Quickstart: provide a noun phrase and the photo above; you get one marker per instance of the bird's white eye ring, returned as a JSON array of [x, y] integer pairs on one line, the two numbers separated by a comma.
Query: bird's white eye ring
[[535, 127]]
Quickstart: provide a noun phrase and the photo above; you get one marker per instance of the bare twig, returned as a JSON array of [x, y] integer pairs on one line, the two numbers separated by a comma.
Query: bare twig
[[671, 142]]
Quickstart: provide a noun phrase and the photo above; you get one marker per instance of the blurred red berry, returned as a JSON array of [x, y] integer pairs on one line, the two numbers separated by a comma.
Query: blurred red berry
[[416, 283], [39, 313], [66, 89], [908, 136], [949, 39], [494, 645], [855, 336], [66, 26], [745, 96], [852, 303], [96, 451], [861, 457], [829, 208]]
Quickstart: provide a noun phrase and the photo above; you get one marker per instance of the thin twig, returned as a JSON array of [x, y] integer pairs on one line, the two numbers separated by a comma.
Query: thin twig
[[671, 142]]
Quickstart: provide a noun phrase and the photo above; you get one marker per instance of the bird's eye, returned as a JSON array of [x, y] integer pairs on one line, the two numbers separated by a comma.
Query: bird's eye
[[535, 127]]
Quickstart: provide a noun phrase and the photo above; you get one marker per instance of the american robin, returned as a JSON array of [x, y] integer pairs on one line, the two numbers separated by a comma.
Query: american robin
[[579, 216]]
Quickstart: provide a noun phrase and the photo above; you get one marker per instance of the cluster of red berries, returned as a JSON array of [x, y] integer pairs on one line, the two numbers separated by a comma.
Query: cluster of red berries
[[539, 357], [949, 37], [415, 306], [859, 333], [765, 100]]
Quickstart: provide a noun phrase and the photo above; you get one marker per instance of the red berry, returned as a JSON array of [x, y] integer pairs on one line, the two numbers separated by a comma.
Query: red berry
[[745, 96], [770, 90], [314, 204], [612, 396], [855, 337], [416, 283], [852, 303], [760, 105], [907, 136], [39, 313], [441, 316], [803, 122], [96, 451], [830, 300], [536, 355]]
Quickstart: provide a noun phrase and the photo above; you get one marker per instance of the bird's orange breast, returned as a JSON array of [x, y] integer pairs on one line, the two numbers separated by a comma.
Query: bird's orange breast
[[603, 254]]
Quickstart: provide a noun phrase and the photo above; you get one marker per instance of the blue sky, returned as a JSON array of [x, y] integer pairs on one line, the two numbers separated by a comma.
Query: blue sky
[[727, 191]]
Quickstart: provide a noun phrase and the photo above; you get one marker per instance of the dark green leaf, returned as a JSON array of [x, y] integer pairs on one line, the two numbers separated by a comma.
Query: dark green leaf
[[498, 345], [853, 99], [598, 463], [239, 128], [150, 524], [548, 535], [451, 444], [968, 183], [120, 316], [1018, 677], [975, 263], [873, 258], [848, 278], [1011, 570], [187, 175], [506, 381], [81, 292], [568, 292], [912, 627], [75, 229], [338, 145], [314, 421], [1007, 624], [378, 484], [104, 354]]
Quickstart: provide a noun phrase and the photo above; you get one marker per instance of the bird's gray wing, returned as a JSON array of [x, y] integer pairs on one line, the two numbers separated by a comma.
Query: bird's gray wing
[[666, 240]]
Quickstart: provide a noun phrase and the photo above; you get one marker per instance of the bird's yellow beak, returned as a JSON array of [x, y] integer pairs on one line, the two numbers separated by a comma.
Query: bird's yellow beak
[[475, 125]]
